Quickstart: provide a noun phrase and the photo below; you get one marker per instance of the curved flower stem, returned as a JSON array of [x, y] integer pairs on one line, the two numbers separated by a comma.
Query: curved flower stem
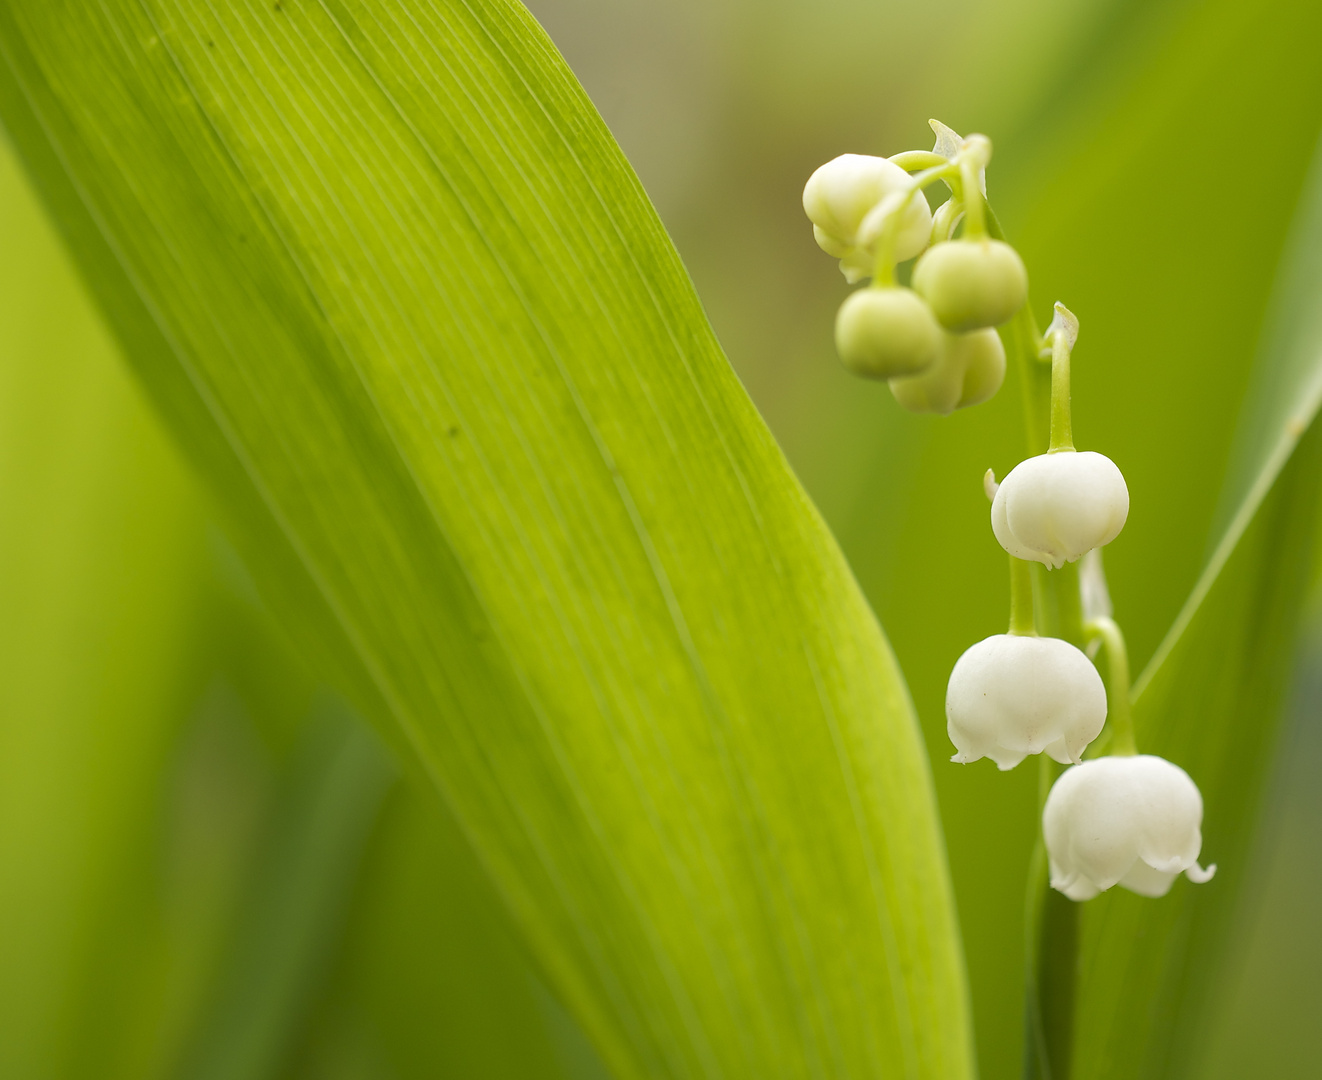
[[1062, 431], [975, 204], [883, 273], [1022, 619], [1117, 690], [916, 160]]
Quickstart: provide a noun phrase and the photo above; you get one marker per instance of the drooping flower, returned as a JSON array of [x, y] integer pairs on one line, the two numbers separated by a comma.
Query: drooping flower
[[1054, 507], [1012, 695], [848, 200], [1134, 821]]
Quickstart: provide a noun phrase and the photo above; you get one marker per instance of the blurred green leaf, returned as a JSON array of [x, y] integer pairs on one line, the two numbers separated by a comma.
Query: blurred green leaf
[[284, 940], [397, 291], [1212, 700], [103, 567], [431, 981]]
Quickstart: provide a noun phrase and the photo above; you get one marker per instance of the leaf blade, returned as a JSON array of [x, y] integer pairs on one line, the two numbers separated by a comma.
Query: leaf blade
[[570, 563]]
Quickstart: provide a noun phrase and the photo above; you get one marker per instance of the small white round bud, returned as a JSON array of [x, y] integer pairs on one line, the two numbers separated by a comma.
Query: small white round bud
[[1012, 695], [969, 371], [841, 195], [1133, 821], [884, 332], [1054, 507], [972, 283]]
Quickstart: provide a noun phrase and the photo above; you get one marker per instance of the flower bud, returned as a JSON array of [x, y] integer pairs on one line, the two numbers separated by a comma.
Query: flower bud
[[881, 333], [968, 371], [1134, 821], [1054, 507], [1011, 695], [972, 283], [844, 192]]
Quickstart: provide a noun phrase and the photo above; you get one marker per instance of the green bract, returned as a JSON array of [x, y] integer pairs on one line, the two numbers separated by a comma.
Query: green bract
[[972, 283]]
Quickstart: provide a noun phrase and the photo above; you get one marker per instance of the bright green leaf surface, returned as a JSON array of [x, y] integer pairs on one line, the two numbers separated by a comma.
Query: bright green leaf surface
[[393, 284]]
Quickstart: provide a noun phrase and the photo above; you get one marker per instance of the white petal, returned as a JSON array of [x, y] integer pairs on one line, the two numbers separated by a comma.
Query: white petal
[[1007, 539], [1060, 505], [841, 195], [1130, 820], [1147, 880], [1012, 695]]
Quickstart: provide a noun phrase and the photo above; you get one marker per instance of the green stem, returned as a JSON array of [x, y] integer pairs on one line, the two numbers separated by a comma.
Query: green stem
[[1023, 344], [975, 206], [1118, 704], [1052, 963], [1052, 928], [1022, 621], [1062, 431], [883, 272], [917, 160]]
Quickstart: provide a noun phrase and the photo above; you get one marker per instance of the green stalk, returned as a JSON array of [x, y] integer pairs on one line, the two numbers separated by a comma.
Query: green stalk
[[1119, 714], [1062, 431], [1051, 919], [883, 271], [1022, 621]]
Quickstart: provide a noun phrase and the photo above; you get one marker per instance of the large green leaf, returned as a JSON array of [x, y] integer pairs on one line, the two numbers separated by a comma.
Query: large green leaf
[[397, 291]]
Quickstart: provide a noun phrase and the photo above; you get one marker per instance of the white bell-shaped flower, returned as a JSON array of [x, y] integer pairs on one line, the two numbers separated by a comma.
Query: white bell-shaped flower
[[1012, 695], [1133, 821], [848, 200], [1054, 507]]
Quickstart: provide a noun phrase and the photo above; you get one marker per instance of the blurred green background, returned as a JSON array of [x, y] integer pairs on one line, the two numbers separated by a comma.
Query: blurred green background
[[208, 869]]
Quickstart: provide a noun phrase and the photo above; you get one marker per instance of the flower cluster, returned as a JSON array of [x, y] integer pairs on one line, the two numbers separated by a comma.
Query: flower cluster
[[933, 342], [1129, 819]]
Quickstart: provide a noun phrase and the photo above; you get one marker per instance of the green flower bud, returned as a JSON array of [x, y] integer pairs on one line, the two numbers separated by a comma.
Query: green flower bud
[[972, 283], [884, 332], [969, 371]]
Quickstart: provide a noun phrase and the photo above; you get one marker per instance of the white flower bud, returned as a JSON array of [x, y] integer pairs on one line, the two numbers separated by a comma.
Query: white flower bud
[[972, 283], [1133, 821], [1054, 507], [881, 333], [1012, 695], [969, 371], [843, 199]]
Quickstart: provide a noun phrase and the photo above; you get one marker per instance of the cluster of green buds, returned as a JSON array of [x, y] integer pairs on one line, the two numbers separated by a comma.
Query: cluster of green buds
[[934, 340], [1127, 818]]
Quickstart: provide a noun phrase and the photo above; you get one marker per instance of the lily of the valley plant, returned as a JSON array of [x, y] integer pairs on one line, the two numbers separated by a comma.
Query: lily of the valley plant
[[1127, 818]]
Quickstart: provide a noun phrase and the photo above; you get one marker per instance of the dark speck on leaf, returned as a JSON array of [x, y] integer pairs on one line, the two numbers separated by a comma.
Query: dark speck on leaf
[[453, 431]]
